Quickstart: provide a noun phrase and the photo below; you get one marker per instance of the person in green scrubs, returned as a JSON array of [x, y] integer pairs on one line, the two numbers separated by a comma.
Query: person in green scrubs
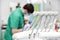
[[16, 20]]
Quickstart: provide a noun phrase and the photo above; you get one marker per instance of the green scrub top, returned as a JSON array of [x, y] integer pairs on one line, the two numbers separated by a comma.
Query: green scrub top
[[15, 20]]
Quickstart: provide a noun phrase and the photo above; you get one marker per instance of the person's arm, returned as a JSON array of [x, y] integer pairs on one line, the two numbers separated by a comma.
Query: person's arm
[[16, 30], [14, 23]]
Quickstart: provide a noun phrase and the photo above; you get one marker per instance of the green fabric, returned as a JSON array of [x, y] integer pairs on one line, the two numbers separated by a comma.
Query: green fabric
[[15, 20]]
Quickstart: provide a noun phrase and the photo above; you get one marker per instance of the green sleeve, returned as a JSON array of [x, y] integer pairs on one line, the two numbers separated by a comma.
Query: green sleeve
[[14, 20]]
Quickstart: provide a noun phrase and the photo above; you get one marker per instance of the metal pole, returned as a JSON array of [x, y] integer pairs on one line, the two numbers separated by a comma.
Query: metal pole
[[53, 22], [34, 26], [39, 25]]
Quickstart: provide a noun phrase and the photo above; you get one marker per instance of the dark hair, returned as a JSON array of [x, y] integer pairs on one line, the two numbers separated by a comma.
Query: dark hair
[[29, 7]]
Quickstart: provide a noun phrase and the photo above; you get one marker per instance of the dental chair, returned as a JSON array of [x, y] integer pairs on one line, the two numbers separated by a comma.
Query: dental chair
[[42, 27]]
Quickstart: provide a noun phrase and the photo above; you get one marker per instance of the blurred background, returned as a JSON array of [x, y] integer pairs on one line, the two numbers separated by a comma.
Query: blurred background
[[7, 6]]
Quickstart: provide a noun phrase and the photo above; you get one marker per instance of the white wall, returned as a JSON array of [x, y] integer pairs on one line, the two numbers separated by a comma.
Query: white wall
[[22, 2], [5, 11], [52, 5], [0, 20], [55, 6]]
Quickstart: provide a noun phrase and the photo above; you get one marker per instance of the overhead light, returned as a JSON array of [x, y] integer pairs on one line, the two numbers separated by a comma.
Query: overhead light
[[28, 1], [45, 1], [34, 1], [40, 1], [37, 1]]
